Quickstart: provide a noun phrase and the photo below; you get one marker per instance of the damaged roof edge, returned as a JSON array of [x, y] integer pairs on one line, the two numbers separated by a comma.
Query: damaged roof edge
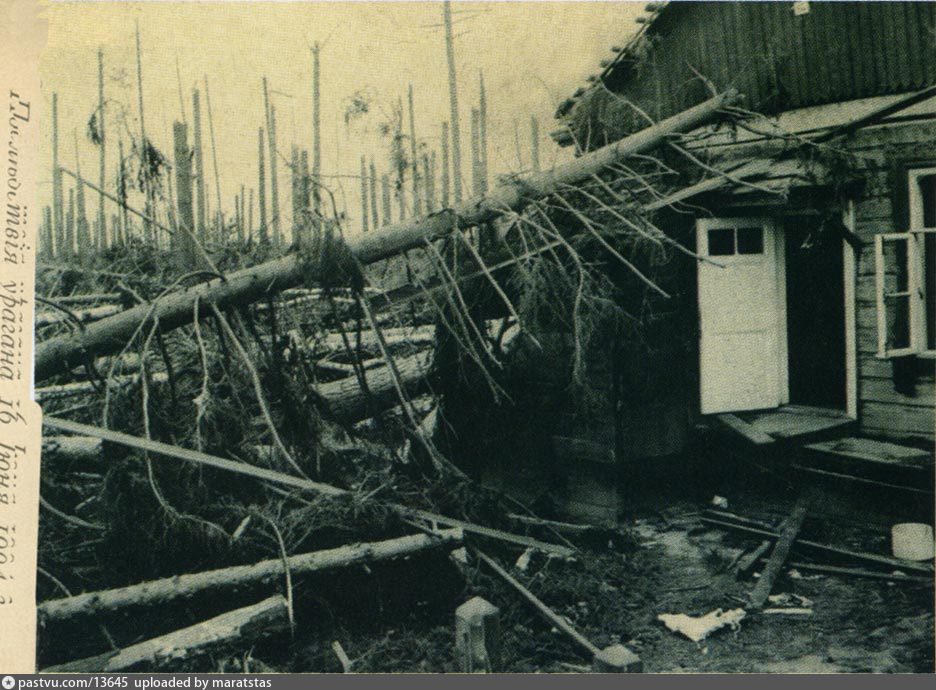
[[620, 54]]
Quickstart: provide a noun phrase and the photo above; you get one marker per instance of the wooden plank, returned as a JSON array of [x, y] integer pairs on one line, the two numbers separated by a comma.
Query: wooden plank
[[786, 425], [743, 429], [809, 410], [788, 534], [848, 553], [869, 450], [883, 391], [897, 420]]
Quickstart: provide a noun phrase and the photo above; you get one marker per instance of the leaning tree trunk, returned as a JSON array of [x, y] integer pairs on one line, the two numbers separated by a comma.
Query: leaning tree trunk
[[252, 284]]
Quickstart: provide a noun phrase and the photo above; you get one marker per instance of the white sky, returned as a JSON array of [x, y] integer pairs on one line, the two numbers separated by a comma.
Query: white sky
[[533, 55]]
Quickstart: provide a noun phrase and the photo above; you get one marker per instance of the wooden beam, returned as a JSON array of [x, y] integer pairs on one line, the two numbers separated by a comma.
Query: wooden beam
[[788, 534]]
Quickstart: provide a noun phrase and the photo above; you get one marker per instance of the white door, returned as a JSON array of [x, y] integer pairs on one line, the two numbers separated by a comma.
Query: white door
[[742, 313]]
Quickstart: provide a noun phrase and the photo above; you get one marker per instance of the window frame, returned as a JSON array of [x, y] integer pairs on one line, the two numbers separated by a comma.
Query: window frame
[[914, 236]]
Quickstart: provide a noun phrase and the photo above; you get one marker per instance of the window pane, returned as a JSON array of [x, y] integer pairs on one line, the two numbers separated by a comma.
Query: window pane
[[750, 240], [721, 242], [898, 322], [927, 185]]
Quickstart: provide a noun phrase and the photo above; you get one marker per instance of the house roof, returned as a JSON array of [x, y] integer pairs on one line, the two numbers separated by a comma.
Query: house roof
[[781, 55]]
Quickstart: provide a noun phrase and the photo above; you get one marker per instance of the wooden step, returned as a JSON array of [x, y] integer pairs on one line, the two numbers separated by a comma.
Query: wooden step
[[799, 425], [869, 450], [868, 461]]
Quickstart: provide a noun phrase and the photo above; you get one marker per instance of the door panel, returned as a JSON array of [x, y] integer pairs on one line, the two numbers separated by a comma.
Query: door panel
[[742, 307]]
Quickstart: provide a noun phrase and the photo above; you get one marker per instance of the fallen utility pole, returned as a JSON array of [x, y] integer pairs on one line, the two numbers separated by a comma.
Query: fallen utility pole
[[242, 627], [335, 257], [169, 589]]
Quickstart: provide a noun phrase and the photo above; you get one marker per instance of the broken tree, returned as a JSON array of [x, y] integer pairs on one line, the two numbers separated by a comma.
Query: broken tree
[[333, 260]]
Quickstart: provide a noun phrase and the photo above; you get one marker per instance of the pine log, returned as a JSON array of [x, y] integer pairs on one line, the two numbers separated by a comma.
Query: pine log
[[345, 401], [83, 450], [48, 318], [69, 390], [240, 627], [252, 284], [166, 590]]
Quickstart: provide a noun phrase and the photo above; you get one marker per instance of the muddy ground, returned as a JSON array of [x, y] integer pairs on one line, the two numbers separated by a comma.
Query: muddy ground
[[662, 563]]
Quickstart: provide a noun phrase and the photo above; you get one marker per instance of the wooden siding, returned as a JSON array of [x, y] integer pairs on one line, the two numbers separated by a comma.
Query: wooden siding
[[839, 51], [884, 407]]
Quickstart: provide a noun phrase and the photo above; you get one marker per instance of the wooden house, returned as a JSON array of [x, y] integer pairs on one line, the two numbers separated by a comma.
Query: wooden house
[[813, 321]]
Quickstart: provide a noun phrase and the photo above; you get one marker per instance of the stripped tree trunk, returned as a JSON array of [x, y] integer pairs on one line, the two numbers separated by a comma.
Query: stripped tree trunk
[[482, 136], [182, 587], [183, 244], [235, 629], [375, 215], [534, 143], [453, 99], [201, 211], [316, 141], [58, 199], [387, 202], [147, 187], [445, 166], [102, 158], [414, 156], [261, 192], [271, 137], [365, 224], [214, 158], [122, 194]]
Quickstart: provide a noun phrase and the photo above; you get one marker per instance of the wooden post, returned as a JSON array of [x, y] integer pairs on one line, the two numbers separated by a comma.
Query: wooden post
[[453, 99], [534, 142], [387, 203], [261, 191], [147, 187], [375, 215], [214, 160], [316, 141], [102, 157], [482, 137], [58, 205], [364, 215], [182, 245], [414, 156], [477, 636], [445, 166], [201, 211], [271, 137]]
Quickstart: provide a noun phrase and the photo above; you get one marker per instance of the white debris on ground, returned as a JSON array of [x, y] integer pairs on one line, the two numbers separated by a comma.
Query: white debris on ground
[[698, 628]]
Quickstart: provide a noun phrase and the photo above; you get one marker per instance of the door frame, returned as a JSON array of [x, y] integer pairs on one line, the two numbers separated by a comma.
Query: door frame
[[703, 225]]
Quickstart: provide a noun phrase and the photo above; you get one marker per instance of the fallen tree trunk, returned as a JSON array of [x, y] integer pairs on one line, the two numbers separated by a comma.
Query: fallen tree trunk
[[83, 450], [48, 318], [263, 474], [333, 342], [333, 259], [166, 590], [240, 627], [70, 390], [345, 401]]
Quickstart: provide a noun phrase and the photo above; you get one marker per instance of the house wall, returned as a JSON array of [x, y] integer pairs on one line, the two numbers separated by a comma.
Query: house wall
[[896, 398]]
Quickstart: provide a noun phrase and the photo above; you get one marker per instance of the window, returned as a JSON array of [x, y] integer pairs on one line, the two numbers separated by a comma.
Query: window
[[731, 241], [905, 274]]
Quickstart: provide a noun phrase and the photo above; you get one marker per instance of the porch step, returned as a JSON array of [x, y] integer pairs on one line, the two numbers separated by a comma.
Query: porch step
[[869, 450], [800, 424], [871, 462]]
